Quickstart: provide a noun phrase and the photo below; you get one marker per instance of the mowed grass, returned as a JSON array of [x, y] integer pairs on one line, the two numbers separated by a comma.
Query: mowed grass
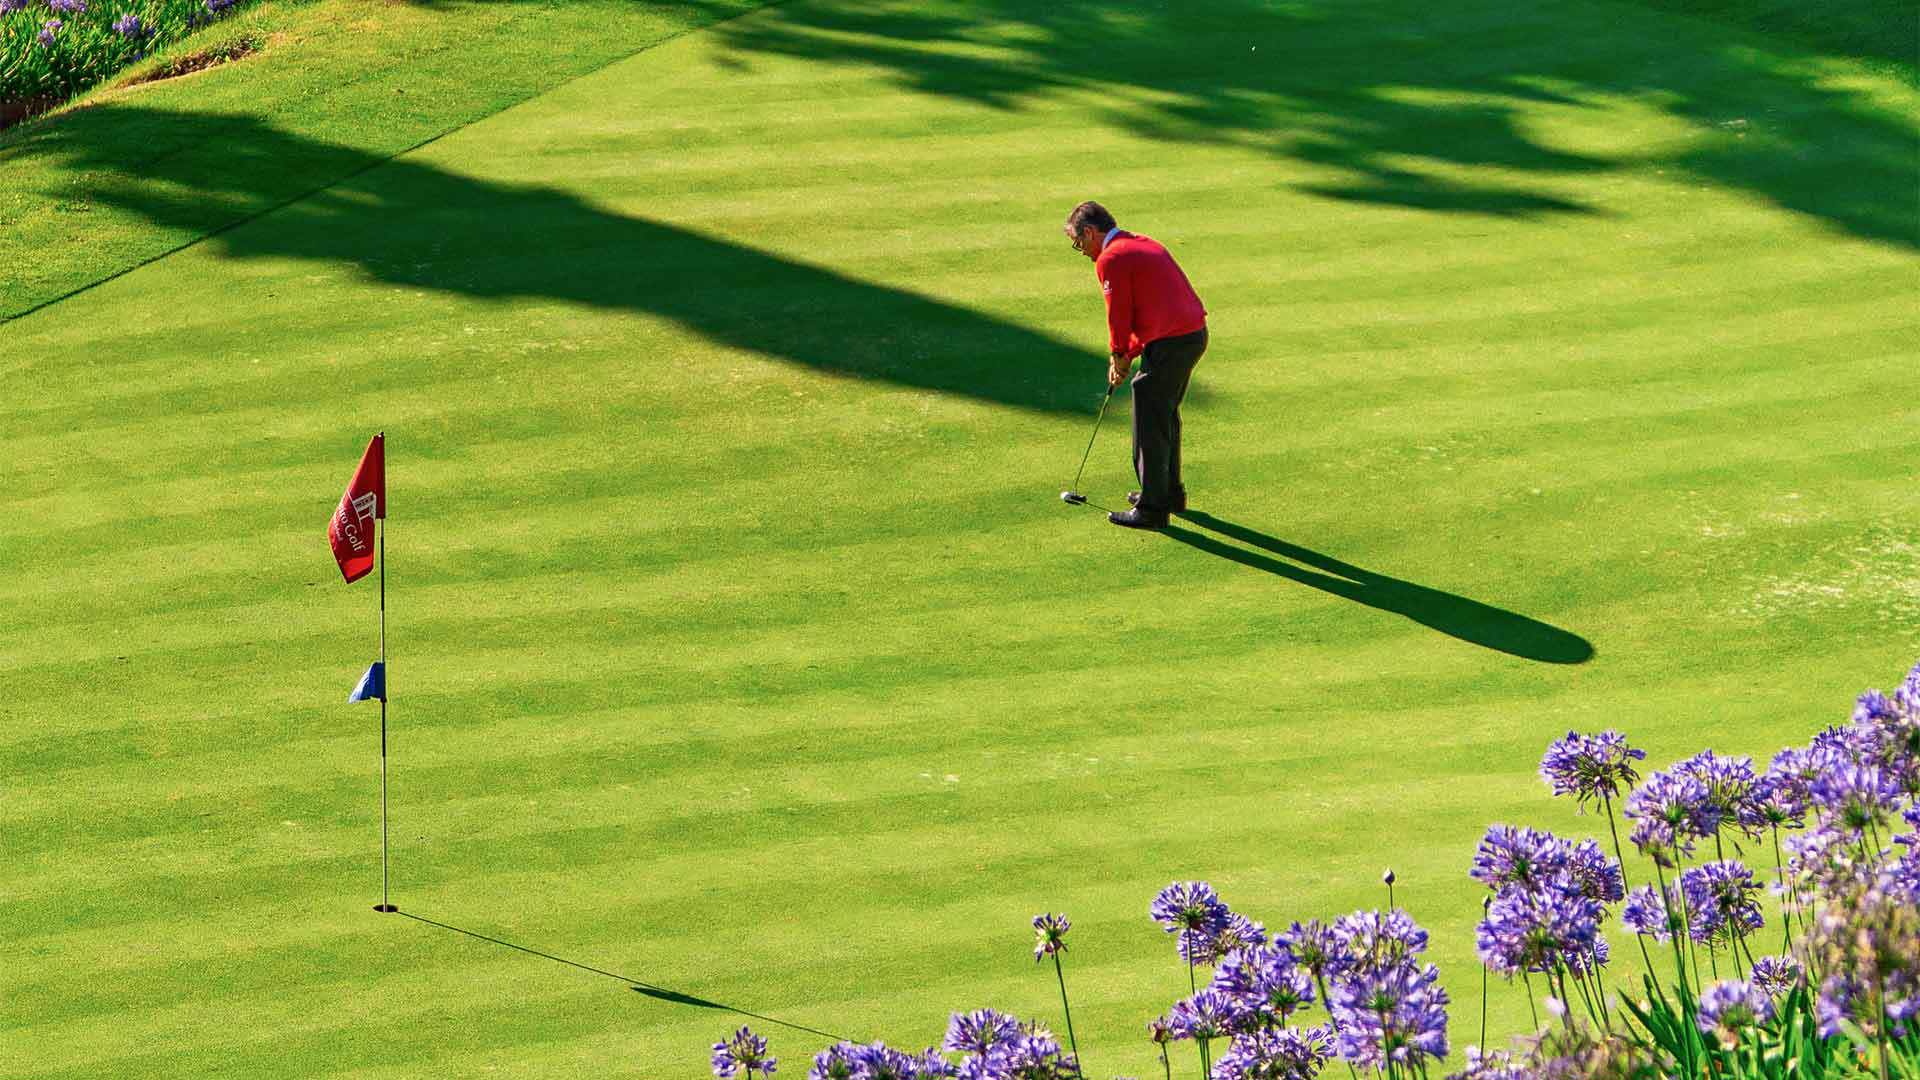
[[1562, 378]]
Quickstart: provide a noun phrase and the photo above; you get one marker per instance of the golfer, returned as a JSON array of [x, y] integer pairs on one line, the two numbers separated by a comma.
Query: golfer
[[1152, 313]]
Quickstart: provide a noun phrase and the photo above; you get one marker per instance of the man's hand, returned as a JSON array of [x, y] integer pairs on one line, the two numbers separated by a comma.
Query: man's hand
[[1118, 365]]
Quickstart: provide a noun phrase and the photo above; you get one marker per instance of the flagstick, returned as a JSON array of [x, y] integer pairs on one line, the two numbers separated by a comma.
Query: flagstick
[[385, 682]]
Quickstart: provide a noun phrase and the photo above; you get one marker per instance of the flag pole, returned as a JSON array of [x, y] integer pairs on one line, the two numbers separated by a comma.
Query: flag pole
[[381, 534]]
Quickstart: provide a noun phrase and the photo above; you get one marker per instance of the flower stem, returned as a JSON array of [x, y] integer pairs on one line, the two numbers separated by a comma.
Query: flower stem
[[1528, 979], [1679, 960], [1786, 893], [1624, 886], [1071, 1042], [1483, 1006]]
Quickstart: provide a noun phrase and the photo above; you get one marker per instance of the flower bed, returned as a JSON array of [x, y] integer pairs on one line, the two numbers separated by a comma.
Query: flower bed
[[1838, 999], [53, 49]]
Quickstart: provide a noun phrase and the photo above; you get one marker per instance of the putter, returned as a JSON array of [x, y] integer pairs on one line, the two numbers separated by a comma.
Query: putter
[[1072, 495]]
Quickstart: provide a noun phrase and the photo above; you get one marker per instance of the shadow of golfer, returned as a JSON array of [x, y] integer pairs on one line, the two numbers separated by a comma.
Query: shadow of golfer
[[1456, 616], [656, 992]]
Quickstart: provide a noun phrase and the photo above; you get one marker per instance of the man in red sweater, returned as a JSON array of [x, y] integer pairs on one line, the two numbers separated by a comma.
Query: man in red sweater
[[1152, 313]]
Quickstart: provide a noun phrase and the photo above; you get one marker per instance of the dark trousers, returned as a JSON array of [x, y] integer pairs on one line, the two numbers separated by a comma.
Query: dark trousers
[[1160, 385]]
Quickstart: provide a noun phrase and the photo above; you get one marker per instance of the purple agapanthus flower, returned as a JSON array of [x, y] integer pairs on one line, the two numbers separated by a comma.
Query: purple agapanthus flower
[[982, 1032], [1239, 933], [1510, 856], [1872, 705], [836, 1062], [1050, 933], [1775, 805], [1313, 946], [1370, 940], [1728, 1009], [1591, 767], [47, 32], [930, 1065], [1731, 786], [1395, 1014], [1795, 769], [1597, 956], [1776, 975], [1720, 901], [1276, 1054], [1265, 982], [1907, 694], [1856, 797], [8, 7], [1494, 1065], [744, 1050], [1194, 911], [71, 7], [1534, 931], [1670, 811], [128, 26], [1593, 873], [1036, 1055], [1208, 1014], [1647, 916], [878, 1061]]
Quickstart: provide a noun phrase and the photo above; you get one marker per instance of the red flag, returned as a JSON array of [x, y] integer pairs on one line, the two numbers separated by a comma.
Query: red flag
[[351, 532]]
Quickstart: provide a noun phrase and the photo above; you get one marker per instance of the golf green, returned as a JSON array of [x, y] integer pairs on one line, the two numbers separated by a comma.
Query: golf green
[[741, 651]]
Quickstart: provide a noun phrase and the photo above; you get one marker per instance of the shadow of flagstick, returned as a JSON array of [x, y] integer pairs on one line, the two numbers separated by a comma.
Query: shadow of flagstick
[[657, 992]]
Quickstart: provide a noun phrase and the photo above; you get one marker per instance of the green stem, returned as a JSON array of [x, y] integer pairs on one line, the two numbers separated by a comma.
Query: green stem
[[1528, 980], [1620, 854], [1786, 891], [1679, 962], [1071, 1041], [1566, 1006], [1483, 1006]]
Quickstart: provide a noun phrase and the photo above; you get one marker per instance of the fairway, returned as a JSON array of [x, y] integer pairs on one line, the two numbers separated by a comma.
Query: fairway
[[742, 655]]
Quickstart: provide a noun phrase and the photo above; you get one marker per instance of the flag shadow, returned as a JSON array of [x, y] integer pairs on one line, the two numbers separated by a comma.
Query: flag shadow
[[658, 993], [1456, 616]]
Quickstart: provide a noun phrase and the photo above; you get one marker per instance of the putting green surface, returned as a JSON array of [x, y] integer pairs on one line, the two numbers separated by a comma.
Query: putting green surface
[[741, 650]]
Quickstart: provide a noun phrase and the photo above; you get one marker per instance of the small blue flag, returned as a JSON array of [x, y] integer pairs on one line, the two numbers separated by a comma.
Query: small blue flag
[[372, 685]]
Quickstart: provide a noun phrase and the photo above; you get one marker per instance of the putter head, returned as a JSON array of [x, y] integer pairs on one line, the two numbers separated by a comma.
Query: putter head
[[1073, 498]]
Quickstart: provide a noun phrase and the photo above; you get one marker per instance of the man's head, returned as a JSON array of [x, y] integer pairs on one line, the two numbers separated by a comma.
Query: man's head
[[1088, 227]]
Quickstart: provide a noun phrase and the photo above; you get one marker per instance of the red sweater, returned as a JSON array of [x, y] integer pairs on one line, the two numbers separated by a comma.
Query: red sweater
[[1148, 296]]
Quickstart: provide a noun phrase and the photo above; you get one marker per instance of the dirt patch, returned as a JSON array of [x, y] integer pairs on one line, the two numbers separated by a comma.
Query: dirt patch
[[12, 112], [225, 52]]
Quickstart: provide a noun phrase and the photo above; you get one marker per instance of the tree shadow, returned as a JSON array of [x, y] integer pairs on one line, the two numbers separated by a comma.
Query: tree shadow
[[1456, 616], [409, 223], [656, 992], [1408, 105]]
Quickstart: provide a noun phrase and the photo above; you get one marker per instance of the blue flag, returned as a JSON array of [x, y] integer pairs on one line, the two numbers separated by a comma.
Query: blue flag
[[372, 685]]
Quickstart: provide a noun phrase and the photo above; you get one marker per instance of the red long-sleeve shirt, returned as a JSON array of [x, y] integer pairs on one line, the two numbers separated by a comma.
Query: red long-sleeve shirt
[[1148, 295]]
